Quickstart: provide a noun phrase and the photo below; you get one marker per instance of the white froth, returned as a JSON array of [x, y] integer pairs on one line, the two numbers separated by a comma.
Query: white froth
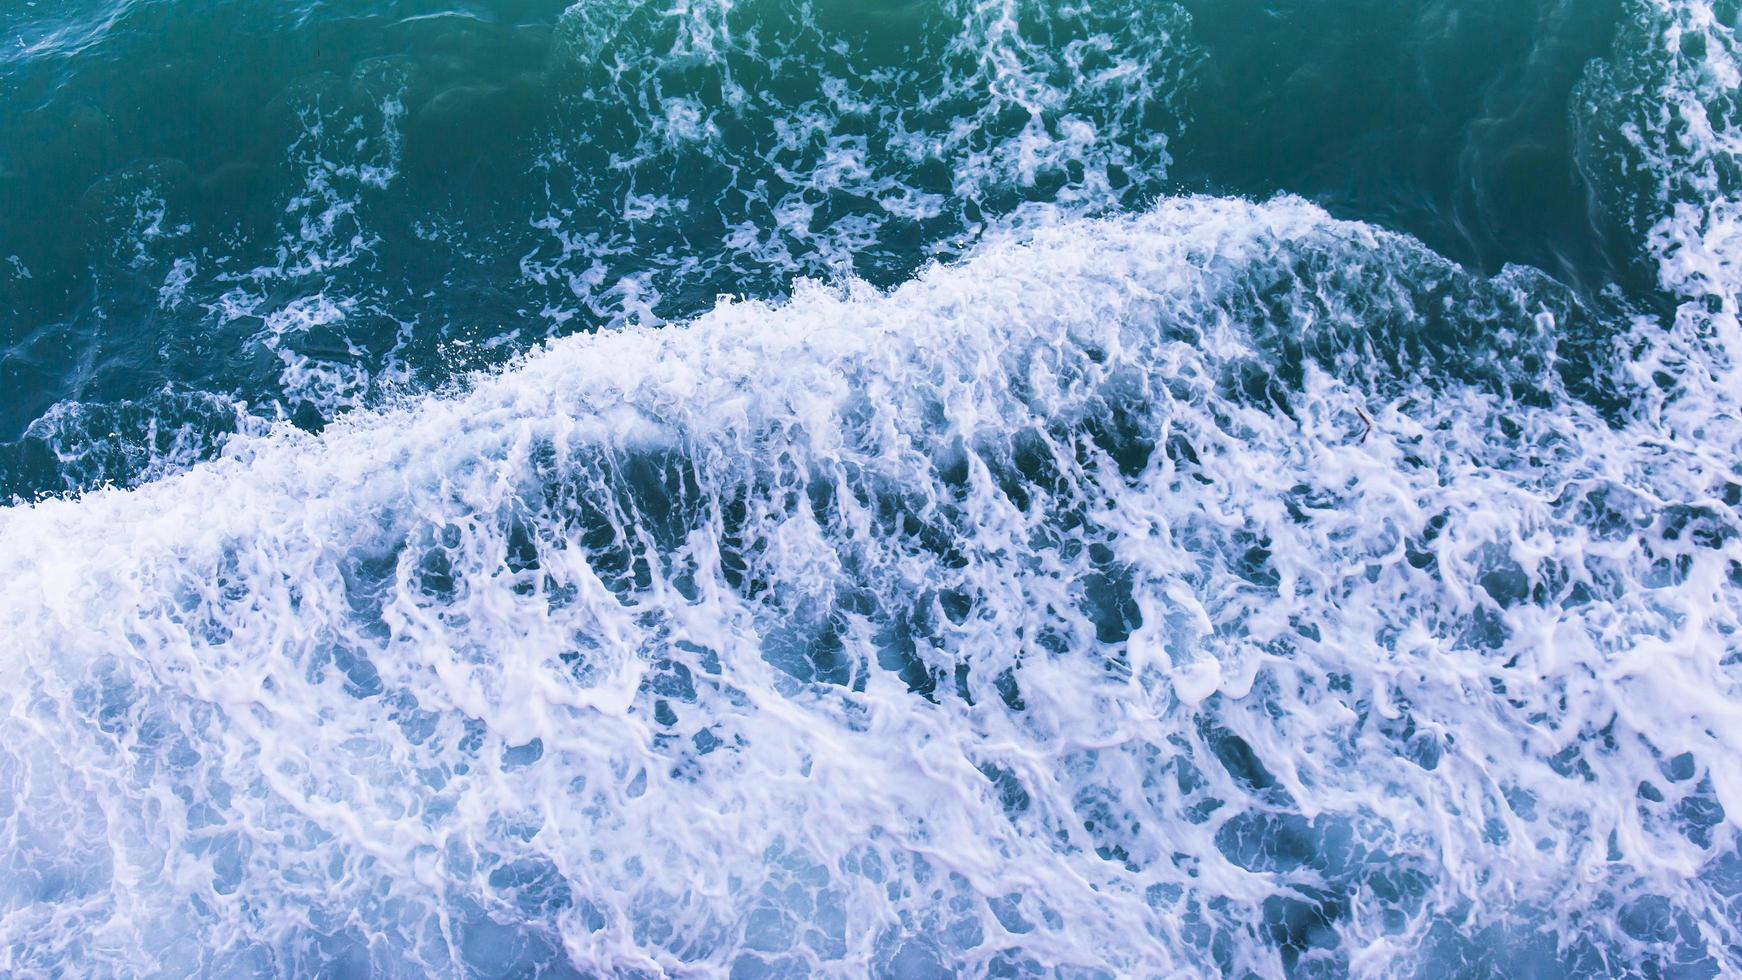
[[993, 624], [1058, 612]]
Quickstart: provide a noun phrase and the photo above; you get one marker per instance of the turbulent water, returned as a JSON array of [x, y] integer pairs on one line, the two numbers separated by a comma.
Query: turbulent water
[[912, 488]]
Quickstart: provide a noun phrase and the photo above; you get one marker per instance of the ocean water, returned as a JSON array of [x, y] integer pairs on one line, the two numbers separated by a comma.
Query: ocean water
[[914, 488]]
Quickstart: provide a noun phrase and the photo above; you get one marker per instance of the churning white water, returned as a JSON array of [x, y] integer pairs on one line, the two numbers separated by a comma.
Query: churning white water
[[1223, 588]]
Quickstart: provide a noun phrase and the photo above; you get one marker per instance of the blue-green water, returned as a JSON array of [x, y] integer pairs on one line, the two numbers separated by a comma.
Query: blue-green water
[[297, 208], [913, 488]]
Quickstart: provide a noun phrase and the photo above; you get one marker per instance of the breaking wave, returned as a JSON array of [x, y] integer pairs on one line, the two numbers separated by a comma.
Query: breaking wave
[[1213, 589]]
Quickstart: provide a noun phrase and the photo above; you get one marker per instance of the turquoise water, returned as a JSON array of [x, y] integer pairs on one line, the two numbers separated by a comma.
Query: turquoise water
[[903, 488], [299, 209]]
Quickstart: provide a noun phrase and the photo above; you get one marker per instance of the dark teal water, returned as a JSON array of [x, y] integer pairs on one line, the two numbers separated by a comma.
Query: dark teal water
[[910, 488], [459, 183]]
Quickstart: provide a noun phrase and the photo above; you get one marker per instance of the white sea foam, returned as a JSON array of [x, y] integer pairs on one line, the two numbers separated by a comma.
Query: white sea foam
[[1053, 611], [1056, 612]]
